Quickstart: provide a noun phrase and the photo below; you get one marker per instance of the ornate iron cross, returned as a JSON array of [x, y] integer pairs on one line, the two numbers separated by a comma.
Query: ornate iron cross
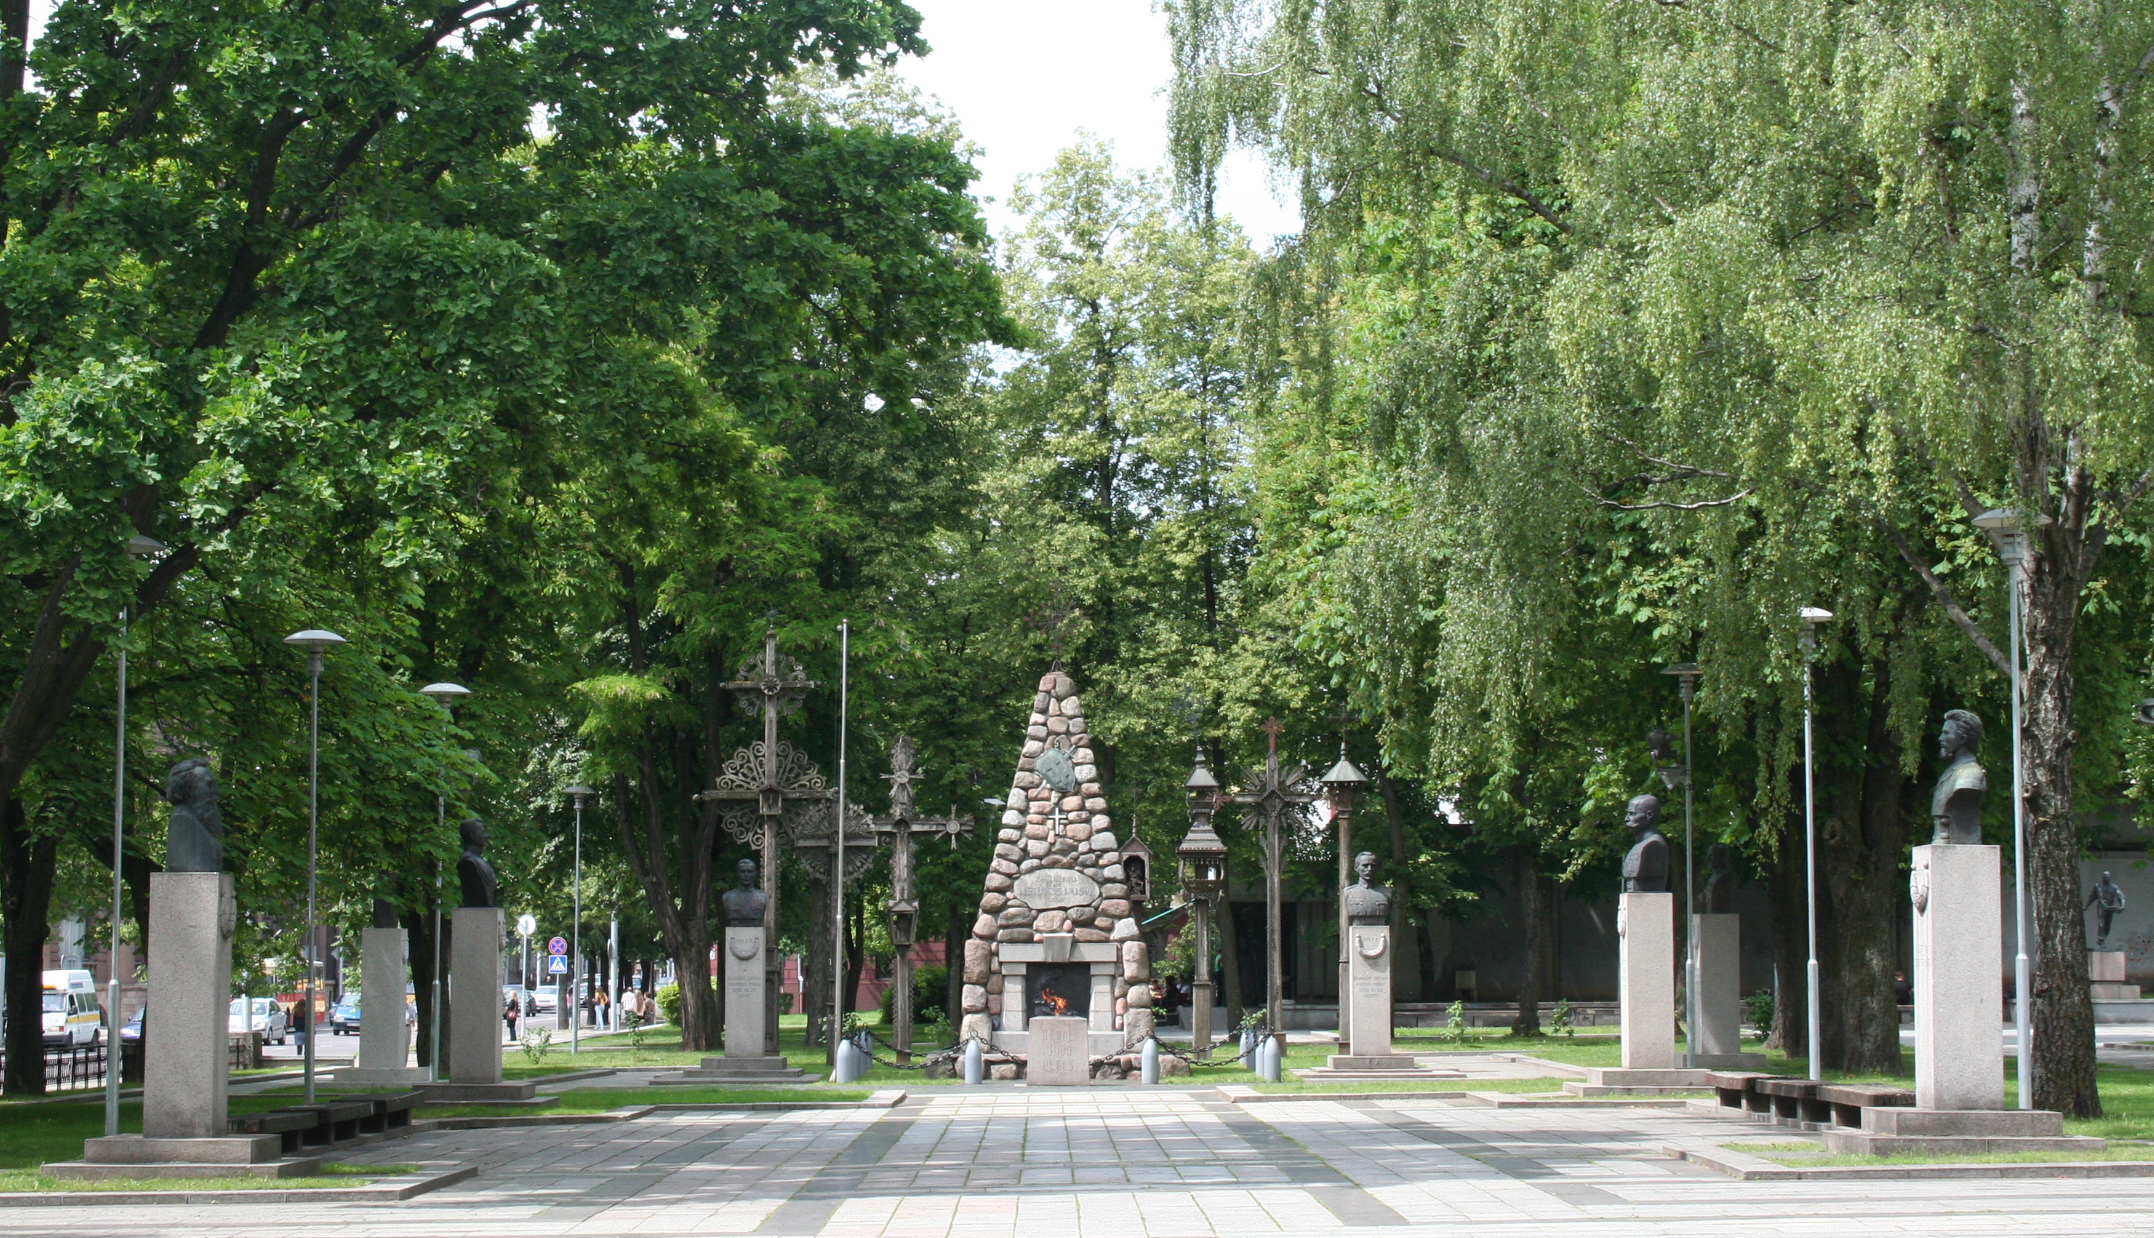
[[770, 788], [1271, 798], [899, 827]]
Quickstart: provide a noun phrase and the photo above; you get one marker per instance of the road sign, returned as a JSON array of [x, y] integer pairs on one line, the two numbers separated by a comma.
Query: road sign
[[557, 965], [557, 946], [526, 924]]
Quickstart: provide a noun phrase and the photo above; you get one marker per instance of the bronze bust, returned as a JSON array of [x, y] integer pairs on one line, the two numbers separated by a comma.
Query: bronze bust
[[1956, 805], [1645, 869], [744, 905], [473, 873], [195, 841], [1720, 884], [1367, 902]]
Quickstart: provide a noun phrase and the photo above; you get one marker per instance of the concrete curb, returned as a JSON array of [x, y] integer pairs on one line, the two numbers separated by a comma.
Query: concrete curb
[[1744, 1167], [403, 1186], [1242, 1094], [1527, 1100]]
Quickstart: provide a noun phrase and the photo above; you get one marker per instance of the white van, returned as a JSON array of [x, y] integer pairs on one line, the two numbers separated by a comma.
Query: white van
[[72, 1016]]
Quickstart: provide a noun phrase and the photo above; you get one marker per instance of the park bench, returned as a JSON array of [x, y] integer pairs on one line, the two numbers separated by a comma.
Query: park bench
[[391, 1110], [338, 1122], [291, 1125], [1846, 1101], [1733, 1087], [1795, 1100]]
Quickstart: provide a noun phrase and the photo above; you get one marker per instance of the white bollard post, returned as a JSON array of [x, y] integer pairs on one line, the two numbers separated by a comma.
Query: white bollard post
[[975, 1066], [1150, 1060], [1270, 1055]]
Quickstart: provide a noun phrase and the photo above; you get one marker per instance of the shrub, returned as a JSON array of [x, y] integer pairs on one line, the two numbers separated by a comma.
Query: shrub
[[927, 994], [1758, 1011], [668, 997]]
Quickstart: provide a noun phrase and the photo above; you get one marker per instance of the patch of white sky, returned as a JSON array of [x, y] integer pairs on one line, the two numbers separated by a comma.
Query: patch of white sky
[[1026, 79]]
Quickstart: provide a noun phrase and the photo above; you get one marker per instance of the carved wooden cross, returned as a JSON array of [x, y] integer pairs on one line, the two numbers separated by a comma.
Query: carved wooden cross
[[770, 788], [899, 827], [1271, 798]]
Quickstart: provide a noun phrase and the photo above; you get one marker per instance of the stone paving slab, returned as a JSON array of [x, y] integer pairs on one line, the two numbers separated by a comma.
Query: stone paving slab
[[1126, 1163]]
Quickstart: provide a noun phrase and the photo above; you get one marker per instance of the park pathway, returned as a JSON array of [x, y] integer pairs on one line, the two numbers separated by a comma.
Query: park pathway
[[1119, 1162]]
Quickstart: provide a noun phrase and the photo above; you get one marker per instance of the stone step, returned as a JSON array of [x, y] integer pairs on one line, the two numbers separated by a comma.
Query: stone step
[[1575, 1088]]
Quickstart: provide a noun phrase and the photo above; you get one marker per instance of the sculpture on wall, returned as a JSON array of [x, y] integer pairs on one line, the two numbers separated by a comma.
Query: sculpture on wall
[[2107, 900]]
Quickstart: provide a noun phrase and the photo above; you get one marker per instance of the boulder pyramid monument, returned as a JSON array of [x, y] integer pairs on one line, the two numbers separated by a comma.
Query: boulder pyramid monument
[[1057, 931]]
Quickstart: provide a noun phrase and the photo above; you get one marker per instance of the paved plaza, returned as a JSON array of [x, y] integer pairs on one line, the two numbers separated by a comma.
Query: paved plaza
[[1122, 1162]]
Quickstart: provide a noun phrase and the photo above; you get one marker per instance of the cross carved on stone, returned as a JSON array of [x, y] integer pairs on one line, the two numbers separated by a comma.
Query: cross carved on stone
[[1272, 797]]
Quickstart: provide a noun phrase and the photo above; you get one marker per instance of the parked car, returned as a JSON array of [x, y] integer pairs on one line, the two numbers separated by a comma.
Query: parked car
[[71, 1014], [344, 1017], [269, 1019], [133, 1028]]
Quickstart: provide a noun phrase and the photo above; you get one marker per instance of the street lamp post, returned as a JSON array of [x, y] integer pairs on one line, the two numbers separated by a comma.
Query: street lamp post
[[138, 547], [1204, 875], [315, 641], [575, 926], [1341, 783], [2008, 528], [447, 694], [1686, 674], [1811, 617]]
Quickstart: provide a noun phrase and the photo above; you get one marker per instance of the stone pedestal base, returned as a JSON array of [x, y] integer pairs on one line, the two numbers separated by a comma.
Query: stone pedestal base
[[761, 1069], [744, 1005], [475, 1001], [213, 1156], [2105, 975], [384, 1037], [1959, 938], [1617, 1081], [1367, 1018], [1645, 923], [1889, 1131], [496, 1093], [187, 1057], [1059, 1052], [390, 1077], [1345, 1067], [1719, 1000]]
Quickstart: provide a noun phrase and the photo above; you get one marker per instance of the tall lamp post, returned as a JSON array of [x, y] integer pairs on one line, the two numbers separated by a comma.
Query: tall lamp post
[[138, 547], [575, 925], [316, 641], [1341, 783], [447, 694], [2007, 528], [1204, 875], [1686, 674], [1811, 617]]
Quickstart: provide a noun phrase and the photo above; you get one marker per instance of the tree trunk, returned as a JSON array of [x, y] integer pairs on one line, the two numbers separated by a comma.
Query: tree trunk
[[815, 970], [1862, 836], [419, 931], [1230, 963], [26, 871], [1784, 885], [2063, 1012], [1531, 897]]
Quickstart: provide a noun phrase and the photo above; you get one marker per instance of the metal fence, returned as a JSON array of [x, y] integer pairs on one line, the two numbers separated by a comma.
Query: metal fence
[[82, 1066]]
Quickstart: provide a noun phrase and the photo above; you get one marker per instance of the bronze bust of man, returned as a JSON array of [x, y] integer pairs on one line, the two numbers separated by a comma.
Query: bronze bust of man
[[1956, 805], [1720, 885], [1645, 869], [1367, 902], [473, 873], [744, 905], [194, 843]]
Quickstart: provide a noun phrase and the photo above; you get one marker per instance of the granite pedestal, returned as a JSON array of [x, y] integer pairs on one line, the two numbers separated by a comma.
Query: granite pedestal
[[1059, 1052], [2105, 977], [384, 1036], [1645, 927], [187, 1058], [476, 938], [1959, 1002], [1368, 1015], [746, 1036], [1719, 943]]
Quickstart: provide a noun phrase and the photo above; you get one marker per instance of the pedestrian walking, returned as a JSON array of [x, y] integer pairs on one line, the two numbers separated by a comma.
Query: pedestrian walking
[[509, 1012], [600, 1009]]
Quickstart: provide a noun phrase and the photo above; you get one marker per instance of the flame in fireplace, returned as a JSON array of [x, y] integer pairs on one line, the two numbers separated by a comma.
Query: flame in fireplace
[[1048, 998]]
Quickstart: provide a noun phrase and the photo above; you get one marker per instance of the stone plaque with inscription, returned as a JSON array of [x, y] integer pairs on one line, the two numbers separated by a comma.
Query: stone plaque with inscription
[[1055, 887]]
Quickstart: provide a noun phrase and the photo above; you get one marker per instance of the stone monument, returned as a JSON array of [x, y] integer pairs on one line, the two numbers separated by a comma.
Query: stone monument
[[1059, 913], [1645, 967], [477, 933], [186, 1058], [1368, 979], [744, 1008], [1958, 947], [384, 1036], [1719, 936]]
